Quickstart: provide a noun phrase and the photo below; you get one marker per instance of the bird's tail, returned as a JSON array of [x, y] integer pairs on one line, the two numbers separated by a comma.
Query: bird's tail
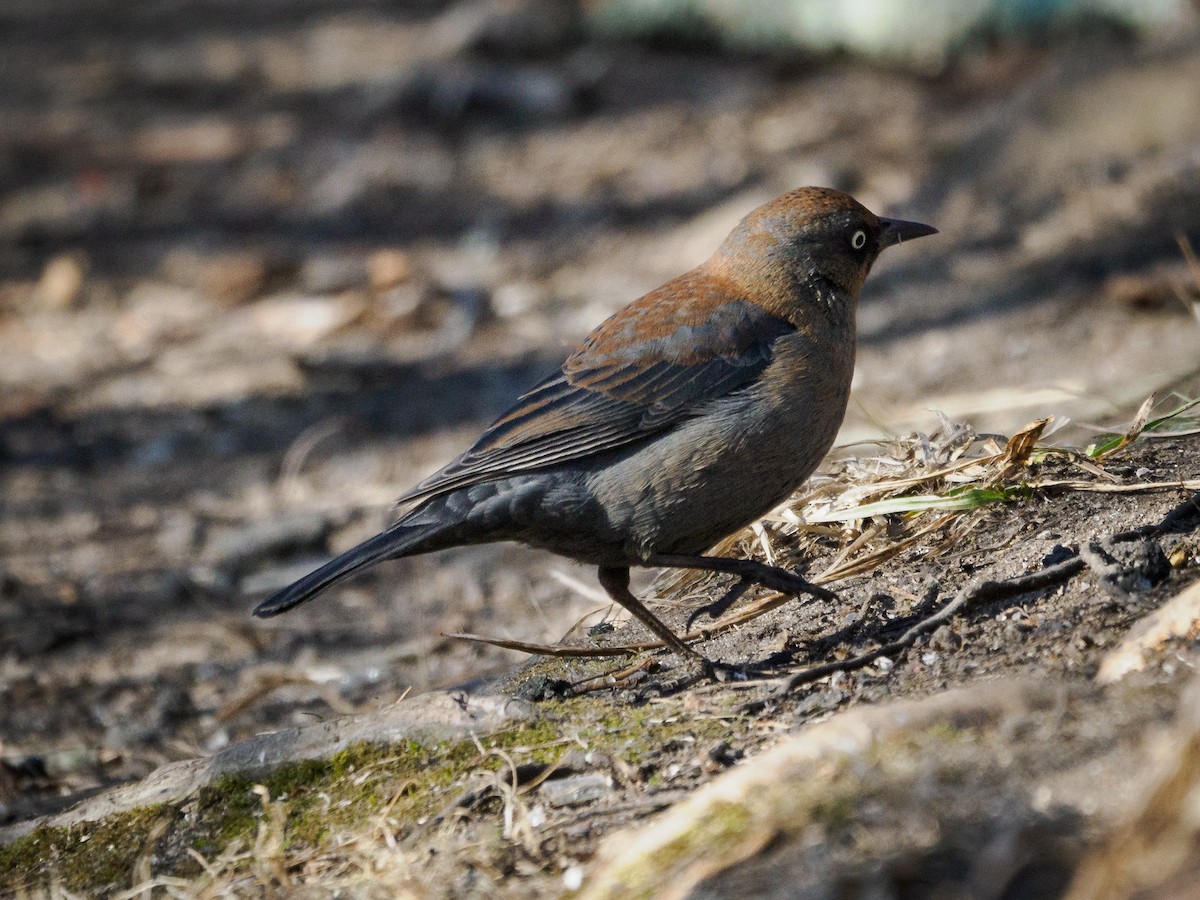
[[399, 540]]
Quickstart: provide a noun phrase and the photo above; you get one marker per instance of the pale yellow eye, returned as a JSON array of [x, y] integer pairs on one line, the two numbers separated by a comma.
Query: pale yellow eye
[[859, 239]]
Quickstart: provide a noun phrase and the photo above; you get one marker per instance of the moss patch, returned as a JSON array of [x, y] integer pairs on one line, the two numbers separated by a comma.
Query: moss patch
[[93, 856], [322, 800]]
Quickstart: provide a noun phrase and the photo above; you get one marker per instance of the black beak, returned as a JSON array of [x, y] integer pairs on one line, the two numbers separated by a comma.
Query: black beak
[[896, 231]]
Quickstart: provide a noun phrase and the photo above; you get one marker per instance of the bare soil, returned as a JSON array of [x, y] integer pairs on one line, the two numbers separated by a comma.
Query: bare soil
[[258, 277]]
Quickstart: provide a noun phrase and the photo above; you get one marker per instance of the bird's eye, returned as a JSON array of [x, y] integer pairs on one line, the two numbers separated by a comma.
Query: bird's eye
[[858, 240]]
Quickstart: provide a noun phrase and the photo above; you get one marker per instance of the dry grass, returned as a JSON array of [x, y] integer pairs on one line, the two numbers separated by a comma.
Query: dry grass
[[923, 489]]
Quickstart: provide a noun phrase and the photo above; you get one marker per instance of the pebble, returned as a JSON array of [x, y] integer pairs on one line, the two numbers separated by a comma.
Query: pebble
[[576, 790]]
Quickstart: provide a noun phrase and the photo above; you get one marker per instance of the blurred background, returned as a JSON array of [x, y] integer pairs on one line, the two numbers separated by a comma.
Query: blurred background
[[264, 265]]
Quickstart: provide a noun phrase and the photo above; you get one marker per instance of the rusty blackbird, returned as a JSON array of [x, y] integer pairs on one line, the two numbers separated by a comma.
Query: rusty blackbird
[[684, 417]]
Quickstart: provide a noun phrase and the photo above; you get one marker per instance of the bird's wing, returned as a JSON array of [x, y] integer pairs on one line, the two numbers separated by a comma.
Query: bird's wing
[[638, 374]]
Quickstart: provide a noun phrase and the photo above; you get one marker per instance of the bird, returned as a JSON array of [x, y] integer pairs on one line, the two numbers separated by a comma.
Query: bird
[[681, 419]]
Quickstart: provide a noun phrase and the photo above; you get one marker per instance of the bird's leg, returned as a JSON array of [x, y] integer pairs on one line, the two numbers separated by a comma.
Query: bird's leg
[[772, 577], [615, 580]]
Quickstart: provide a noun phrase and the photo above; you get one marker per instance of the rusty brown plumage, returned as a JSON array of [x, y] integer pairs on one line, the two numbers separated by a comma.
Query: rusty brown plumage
[[683, 417]]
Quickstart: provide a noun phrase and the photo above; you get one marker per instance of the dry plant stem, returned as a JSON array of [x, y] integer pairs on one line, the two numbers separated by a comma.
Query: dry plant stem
[[876, 558], [856, 567], [758, 608], [868, 534], [610, 679], [558, 652], [979, 591], [642, 806], [1136, 427], [1185, 484]]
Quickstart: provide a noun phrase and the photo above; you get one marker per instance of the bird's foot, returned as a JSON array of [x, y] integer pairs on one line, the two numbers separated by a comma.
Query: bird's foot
[[772, 577], [786, 582], [690, 673], [705, 669], [697, 667]]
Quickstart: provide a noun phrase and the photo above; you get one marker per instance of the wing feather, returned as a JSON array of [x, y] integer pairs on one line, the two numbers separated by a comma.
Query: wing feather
[[600, 401]]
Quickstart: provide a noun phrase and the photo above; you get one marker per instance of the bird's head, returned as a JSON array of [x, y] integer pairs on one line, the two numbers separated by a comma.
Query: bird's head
[[811, 237]]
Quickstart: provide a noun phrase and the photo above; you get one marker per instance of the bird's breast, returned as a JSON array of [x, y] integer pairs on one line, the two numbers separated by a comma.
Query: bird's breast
[[734, 460]]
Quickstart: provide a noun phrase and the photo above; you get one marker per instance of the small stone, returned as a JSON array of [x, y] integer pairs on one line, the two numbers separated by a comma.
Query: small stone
[[721, 755], [576, 790], [229, 277], [573, 878], [540, 687]]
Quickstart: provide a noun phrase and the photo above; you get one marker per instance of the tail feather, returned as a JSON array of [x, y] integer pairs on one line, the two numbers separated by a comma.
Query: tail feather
[[399, 540]]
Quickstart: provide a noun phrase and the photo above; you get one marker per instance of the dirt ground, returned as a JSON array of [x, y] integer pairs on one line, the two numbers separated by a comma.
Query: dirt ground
[[258, 277]]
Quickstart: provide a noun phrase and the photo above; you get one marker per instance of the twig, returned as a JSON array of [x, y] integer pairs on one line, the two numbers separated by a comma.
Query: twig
[[551, 650], [979, 591], [753, 611], [610, 679], [1184, 484], [642, 805], [876, 558], [868, 534], [860, 566]]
